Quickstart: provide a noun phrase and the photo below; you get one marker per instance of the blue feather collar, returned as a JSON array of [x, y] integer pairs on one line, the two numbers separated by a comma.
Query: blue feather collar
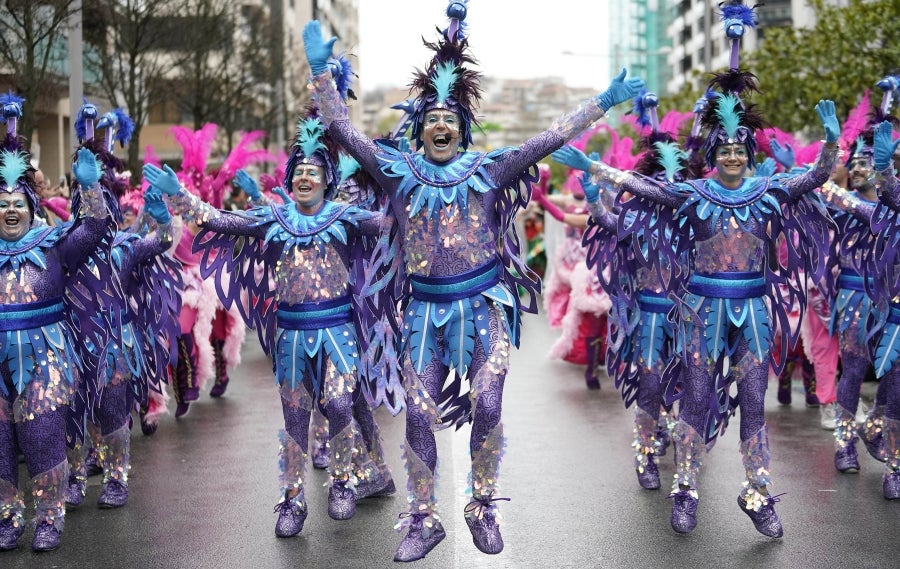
[[750, 202], [29, 248], [430, 187], [295, 228]]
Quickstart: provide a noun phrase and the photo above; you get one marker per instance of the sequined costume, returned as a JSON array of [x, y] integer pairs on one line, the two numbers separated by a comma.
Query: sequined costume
[[461, 260], [36, 377]]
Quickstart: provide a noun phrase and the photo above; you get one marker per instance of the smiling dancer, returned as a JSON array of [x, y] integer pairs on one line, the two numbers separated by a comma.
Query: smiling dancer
[[456, 212]]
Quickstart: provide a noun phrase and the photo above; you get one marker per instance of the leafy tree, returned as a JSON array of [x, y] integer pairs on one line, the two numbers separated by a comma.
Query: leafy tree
[[848, 50], [33, 53]]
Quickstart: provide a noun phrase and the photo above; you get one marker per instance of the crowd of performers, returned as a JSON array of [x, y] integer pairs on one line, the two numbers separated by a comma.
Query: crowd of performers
[[377, 274]]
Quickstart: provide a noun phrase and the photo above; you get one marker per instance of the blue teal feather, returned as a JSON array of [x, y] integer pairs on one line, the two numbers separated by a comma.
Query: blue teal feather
[[756, 327], [888, 349], [670, 158], [125, 126], [14, 165], [729, 118], [459, 333], [11, 105], [443, 80], [739, 11], [640, 110], [348, 166], [309, 136]]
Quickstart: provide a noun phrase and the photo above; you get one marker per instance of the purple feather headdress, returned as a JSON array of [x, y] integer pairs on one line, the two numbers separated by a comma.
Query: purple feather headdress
[[16, 171], [447, 83], [313, 145], [119, 128], [84, 122]]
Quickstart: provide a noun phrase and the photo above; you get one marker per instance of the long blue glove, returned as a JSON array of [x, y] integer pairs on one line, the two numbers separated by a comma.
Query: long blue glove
[[318, 51], [784, 155], [86, 169], [163, 179], [825, 108], [572, 157], [620, 91], [156, 207], [766, 169], [248, 184], [591, 190], [883, 146]]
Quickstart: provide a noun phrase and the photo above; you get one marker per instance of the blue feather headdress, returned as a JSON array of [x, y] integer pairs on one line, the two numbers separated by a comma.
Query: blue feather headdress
[[84, 122], [343, 75], [312, 145], [662, 159], [729, 117], [447, 83], [16, 172], [119, 128]]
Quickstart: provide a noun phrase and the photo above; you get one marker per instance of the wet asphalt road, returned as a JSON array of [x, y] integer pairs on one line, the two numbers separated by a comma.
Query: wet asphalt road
[[203, 489]]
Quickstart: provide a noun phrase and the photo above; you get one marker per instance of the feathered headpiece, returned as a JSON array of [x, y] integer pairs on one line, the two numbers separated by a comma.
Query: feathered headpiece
[[311, 146], [862, 120], [16, 172], [109, 164], [132, 201], [447, 83], [728, 116], [663, 159], [119, 128], [84, 122]]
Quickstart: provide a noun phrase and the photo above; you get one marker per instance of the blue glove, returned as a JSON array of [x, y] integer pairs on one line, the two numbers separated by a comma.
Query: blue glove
[[766, 169], [572, 157], [243, 180], [284, 195], [620, 91], [165, 179], [883, 146], [591, 190], [156, 207], [784, 155], [825, 108], [86, 169], [318, 51]]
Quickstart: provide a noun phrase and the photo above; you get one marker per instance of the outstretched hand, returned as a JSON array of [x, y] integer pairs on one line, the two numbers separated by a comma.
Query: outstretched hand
[[883, 146], [243, 180], [163, 179], [156, 207], [591, 189], [318, 51], [572, 157], [765, 169], [825, 108], [86, 168], [784, 155], [620, 91]]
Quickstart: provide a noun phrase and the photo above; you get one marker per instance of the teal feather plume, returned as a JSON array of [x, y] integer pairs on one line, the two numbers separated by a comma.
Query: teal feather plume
[[444, 79], [14, 165], [670, 158], [347, 165], [309, 136], [729, 118]]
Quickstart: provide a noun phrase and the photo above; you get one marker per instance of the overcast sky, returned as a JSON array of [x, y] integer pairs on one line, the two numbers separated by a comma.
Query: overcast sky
[[511, 39]]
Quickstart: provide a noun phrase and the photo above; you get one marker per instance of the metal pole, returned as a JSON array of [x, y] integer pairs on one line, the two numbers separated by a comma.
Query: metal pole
[[76, 69]]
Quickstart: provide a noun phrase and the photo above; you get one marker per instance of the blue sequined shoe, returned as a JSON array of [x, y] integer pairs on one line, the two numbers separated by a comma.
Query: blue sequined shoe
[[75, 491], [419, 540], [765, 519], [113, 495], [684, 511], [846, 459], [46, 537], [341, 501], [291, 517], [10, 533]]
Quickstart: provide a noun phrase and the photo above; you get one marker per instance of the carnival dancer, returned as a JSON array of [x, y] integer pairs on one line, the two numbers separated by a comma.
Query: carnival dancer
[[729, 224], [456, 213], [141, 313], [36, 378], [642, 338], [309, 321]]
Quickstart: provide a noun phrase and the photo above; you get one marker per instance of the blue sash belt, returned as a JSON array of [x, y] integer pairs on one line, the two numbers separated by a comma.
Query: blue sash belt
[[851, 280], [30, 314], [728, 285], [657, 302], [314, 315], [455, 287]]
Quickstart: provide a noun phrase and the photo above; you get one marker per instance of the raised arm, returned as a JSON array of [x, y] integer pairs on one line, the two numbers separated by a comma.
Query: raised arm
[[886, 183], [93, 218], [192, 208], [332, 109], [618, 179], [566, 128], [821, 170], [847, 201]]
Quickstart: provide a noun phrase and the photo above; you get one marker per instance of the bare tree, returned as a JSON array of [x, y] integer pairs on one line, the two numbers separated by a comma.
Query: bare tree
[[33, 53], [133, 38]]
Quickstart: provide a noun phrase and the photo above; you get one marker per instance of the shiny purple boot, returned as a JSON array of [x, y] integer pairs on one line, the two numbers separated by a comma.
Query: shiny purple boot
[[292, 514], [341, 501], [684, 511], [11, 529], [481, 517], [420, 539], [764, 518]]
